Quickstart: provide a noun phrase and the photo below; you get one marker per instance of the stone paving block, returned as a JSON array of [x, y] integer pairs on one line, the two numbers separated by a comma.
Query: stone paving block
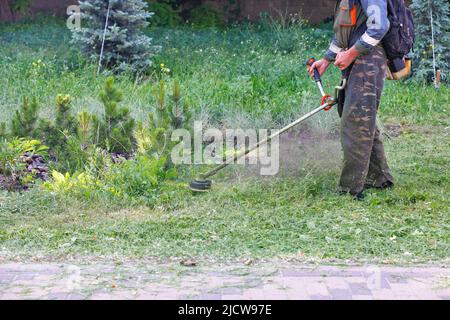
[[299, 273], [232, 291], [211, 296], [44, 278], [320, 297], [294, 284], [77, 296], [404, 289], [297, 295], [439, 292], [405, 297], [6, 277], [317, 289], [341, 294], [25, 276], [58, 296], [10, 296], [167, 296], [384, 283], [397, 279], [337, 283], [232, 297], [362, 297], [359, 288], [253, 294], [252, 282], [16, 289], [383, 294], [104, 296], [275, 296], [344, 273]]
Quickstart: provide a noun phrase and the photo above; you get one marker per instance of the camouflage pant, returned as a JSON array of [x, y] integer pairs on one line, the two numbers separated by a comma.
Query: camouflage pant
[[364, 158]]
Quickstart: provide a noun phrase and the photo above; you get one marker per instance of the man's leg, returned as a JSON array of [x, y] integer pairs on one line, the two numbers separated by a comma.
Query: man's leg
[[379, 175], [358, 129]]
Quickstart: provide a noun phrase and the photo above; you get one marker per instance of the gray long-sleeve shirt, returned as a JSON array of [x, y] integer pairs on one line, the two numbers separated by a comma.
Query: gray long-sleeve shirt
[[378, 25]]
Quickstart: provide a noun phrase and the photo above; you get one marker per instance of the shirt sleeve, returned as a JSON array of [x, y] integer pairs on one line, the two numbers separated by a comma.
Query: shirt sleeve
[[333, 50], [377, 25]]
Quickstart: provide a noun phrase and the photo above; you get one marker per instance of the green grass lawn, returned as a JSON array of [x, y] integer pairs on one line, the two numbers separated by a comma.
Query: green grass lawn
[[246, 76]]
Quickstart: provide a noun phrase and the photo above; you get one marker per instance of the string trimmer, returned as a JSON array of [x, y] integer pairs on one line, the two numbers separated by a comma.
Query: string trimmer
[[203, 184]]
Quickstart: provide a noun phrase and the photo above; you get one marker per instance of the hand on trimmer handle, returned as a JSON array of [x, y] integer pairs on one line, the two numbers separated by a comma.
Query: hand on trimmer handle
[[309, 64], [317, 77]]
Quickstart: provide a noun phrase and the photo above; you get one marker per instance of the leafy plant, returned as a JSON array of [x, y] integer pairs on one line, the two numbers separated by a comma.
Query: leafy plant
[[114, 130], [67, 183], [131, 179], [13, 173], [126, 47]]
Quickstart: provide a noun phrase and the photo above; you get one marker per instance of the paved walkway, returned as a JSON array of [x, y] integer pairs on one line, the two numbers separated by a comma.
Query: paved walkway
[[145, 280]]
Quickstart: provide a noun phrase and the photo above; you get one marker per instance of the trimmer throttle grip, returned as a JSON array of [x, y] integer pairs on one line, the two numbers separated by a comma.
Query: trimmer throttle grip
[[317, 77]]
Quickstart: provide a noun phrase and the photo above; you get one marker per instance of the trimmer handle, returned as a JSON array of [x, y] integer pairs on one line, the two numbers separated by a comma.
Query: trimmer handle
[[317, 77]]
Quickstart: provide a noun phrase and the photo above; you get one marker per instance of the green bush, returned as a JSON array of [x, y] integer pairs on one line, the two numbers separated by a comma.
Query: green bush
[[137, 178], [166, 13], [205, 16]]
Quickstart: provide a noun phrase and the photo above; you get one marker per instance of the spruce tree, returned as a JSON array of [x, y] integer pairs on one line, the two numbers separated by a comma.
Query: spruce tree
[[126, 47], [423, 54]]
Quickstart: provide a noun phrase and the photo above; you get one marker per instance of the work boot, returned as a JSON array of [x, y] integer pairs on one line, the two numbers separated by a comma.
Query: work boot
[[384, 185], [357, 197]]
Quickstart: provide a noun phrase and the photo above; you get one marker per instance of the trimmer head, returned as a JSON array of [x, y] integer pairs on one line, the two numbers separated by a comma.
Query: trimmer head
[[200, 185]]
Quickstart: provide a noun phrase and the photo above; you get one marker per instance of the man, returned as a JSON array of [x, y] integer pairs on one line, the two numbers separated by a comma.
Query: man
[[356, 49]]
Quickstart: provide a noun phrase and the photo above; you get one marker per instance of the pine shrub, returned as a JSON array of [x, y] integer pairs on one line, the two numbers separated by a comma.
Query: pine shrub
[[57, 134], [113, 131], [24, 123], [155, 139]]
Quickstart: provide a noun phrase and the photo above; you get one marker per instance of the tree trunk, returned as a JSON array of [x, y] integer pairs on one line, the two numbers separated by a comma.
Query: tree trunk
[[6, 13]]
